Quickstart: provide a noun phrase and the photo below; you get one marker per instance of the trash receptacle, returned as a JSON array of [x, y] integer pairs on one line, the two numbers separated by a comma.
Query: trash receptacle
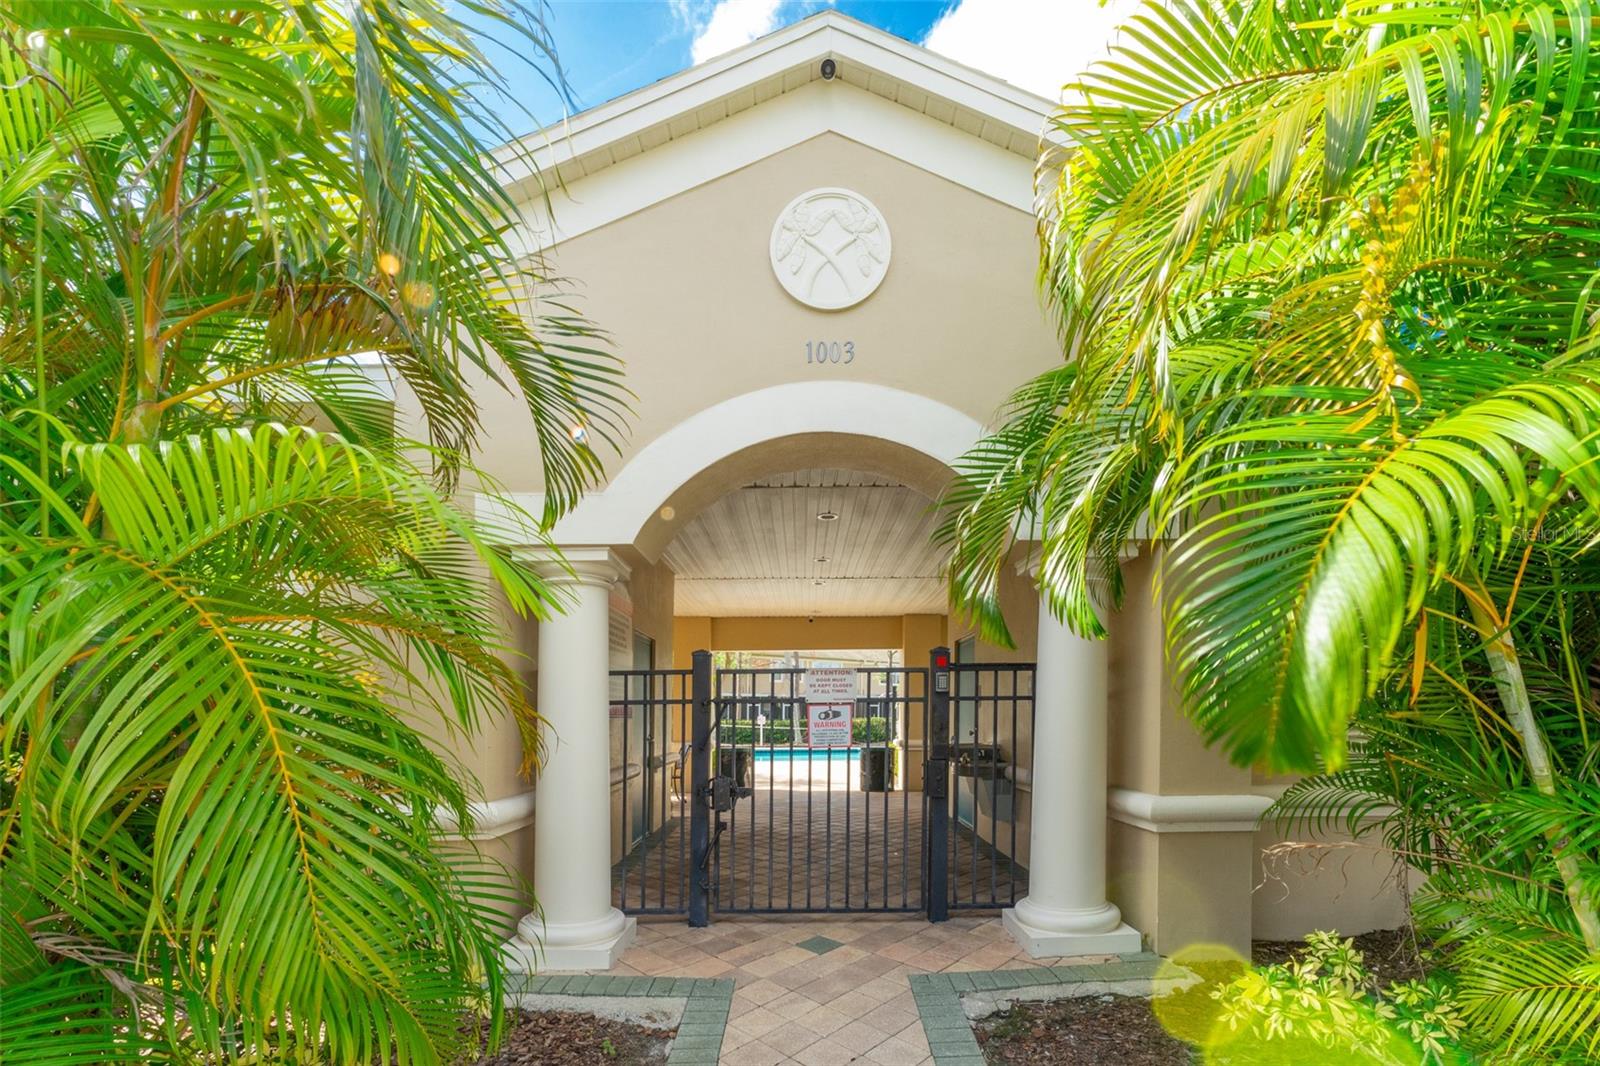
[[744, 767], [876, 775]]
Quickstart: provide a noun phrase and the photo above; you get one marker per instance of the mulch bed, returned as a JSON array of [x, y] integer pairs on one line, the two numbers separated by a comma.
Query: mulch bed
[[1123, 1031], [1389, 954], [569, 1038], [1087, 1031]]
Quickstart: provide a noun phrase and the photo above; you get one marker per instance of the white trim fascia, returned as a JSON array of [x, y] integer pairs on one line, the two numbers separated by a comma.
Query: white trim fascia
[[616, 514], [800, 46], [492, 819], [1205, 813], [679, 165]]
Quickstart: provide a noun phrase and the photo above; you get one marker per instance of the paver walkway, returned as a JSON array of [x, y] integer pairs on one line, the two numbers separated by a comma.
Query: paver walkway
[[818, 992]]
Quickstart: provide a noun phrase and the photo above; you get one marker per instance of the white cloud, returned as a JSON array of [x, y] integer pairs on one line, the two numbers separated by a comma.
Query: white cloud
[[732, 23], [1037, 45]]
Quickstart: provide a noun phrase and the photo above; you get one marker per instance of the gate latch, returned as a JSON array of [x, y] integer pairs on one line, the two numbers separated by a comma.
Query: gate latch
[[721, 792], [936, 778]]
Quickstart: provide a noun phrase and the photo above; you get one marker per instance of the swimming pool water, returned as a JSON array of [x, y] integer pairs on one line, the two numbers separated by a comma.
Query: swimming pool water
[[805, 754]]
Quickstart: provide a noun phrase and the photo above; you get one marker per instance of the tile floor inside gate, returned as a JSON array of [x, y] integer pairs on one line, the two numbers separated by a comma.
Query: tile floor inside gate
[[817, 849], [818, 991]]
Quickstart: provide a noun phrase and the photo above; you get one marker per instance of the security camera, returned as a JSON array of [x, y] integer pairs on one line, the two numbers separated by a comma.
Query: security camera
[[829, 69]]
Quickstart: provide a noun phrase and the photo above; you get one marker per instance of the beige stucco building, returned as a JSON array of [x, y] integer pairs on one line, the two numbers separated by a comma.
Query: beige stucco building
[[816, 257]]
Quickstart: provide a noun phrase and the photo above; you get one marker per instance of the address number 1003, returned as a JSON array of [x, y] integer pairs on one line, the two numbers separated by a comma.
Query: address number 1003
[[843, 352]]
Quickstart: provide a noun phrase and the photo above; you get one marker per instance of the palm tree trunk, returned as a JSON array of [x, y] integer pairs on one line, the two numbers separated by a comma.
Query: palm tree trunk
[[1513, 689]]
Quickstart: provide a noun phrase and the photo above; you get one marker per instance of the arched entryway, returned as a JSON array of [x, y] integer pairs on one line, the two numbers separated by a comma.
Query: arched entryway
[[669, 500]]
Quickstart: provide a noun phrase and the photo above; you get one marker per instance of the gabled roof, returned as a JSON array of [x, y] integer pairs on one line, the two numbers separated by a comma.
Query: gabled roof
[[784, 61]]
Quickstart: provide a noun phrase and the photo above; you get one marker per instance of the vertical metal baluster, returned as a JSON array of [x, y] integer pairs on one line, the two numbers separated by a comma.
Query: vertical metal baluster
[[810, 805], [755, 709], [891, 733], [644, 776], [1016, 756], [905, 798], [623, 814], [685, 730], [977, 733], [827, 887], [755, 702], [772, 796], [994, 800], [731, 835], [866, 805], [645, 783], [789, 766]]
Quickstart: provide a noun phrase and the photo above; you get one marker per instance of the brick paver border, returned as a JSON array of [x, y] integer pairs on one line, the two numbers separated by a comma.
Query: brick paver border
[[950, 1034], [705, 1005]]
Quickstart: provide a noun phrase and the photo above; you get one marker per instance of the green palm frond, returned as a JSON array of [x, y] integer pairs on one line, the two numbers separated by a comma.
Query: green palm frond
[[1325, 276], [189, 657], [229, 637], [1311, 547]]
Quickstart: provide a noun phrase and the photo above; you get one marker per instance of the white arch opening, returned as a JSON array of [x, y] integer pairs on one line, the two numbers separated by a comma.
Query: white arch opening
[[619, 513]]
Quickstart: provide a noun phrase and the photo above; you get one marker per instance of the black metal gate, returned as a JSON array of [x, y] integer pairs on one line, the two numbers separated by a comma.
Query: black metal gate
[[722, 804], [651, 779], [808, 828]]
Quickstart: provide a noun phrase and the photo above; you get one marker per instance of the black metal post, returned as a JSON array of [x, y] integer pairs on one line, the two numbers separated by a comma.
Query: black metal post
[[699, 798], [936, 786]]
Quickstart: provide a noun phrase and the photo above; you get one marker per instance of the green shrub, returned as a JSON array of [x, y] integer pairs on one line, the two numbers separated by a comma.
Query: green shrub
[[1324, 1006]]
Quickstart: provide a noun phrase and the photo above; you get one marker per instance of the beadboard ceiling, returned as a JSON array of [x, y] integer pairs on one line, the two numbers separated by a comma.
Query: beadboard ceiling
[[755, 551]]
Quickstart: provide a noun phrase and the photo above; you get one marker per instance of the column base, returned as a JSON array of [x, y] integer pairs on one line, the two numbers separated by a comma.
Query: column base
[[541, 947], [1046, 932]]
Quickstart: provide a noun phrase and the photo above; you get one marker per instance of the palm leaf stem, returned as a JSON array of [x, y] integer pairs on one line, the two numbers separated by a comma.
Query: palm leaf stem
[[1512, 686]]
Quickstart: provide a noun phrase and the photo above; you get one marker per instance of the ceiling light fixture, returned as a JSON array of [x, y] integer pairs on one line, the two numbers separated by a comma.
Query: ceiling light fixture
[[827, 516], [819, 583], [822, 558]]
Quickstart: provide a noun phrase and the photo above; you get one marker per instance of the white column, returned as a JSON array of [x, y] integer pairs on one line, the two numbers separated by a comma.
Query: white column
[[576, 927], [1065, 911]]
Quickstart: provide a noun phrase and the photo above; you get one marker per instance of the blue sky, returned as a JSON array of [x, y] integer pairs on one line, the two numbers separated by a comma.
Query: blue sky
[[611, 47]]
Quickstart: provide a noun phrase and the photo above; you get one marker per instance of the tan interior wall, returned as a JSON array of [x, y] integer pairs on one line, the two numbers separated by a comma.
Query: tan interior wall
[[651, 587], [1019, 603], [919, 635], [788, 634], [689, 635]]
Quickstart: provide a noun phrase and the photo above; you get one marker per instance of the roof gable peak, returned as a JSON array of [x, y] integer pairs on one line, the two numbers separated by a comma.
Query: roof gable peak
[[784, 61]]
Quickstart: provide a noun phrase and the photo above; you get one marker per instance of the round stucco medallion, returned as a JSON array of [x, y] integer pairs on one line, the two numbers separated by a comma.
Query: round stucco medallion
[[830, 248]]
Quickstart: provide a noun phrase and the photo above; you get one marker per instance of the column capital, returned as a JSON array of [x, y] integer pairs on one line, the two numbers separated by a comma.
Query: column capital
[[577, 565]]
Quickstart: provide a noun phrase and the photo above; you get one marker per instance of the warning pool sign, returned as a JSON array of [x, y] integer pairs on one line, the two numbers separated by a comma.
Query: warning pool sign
[[829, 724]]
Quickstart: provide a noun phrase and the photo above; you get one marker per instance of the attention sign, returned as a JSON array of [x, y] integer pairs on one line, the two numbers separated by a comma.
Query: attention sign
[[831, 684]]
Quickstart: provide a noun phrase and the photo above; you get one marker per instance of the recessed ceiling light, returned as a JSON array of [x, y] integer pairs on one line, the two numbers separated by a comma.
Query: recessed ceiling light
[[668, 513], [827, 516]]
